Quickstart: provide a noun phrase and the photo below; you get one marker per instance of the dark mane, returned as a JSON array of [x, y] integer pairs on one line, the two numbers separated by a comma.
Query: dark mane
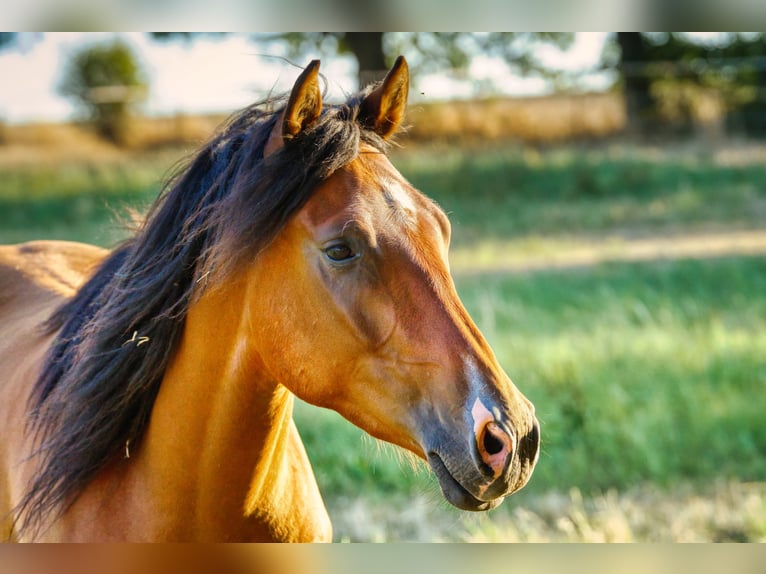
[[116, 336]]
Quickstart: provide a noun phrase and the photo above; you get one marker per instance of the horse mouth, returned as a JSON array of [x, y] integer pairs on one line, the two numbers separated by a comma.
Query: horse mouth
[[454, 492]]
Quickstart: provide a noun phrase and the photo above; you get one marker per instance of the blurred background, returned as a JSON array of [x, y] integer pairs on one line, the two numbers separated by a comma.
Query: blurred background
[[608, 199]]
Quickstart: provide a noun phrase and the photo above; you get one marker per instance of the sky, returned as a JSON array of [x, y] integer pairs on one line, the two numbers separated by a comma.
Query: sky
[[225, 74]]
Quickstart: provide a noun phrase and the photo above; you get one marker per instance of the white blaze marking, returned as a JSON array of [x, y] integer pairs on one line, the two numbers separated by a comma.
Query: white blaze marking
[[481, 416], [399, 195]]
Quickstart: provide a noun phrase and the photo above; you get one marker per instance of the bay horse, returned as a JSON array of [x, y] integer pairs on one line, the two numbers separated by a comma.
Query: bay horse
[[146, 392]]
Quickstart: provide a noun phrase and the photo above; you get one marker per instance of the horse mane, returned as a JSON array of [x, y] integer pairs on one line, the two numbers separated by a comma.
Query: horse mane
[[115, 337]]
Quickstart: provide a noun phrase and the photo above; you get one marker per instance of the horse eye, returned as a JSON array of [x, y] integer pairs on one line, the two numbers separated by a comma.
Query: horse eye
[[340, 252]]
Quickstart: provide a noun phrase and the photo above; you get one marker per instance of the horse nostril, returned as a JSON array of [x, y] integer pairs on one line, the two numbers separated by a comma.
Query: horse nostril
[[495, 447], [492, 444]]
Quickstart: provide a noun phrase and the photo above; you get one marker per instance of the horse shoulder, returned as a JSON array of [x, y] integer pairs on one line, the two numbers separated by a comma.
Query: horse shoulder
[[312, 519], [290, 507]]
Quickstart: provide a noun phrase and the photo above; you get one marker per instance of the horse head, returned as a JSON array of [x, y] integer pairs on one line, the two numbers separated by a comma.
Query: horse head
[[367, 320]]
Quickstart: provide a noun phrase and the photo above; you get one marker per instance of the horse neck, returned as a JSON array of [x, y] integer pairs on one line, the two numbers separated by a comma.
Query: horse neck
[[219, 426]]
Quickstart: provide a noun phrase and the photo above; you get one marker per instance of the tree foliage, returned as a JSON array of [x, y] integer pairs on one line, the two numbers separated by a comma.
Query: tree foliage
[[669, 71], [663, 75], [427, 51], [107, 80]]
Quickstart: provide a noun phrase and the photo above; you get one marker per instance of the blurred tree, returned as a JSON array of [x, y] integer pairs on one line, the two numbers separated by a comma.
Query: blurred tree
[[425, 51], [633, 57], [667, 78], [20, 41], [654, 66], [107, 80], [7, 39], [186, 36], [428, 51]]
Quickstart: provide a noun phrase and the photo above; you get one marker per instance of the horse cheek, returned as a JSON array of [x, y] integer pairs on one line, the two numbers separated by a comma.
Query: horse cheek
[[374, 316], [366, 304]]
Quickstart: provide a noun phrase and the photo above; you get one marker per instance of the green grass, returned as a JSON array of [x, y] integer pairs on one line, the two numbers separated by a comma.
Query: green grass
[[495, 194], [78, 202], [511, 193]]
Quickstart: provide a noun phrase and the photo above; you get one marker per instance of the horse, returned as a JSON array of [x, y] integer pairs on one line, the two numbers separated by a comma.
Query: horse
[[147, 392]]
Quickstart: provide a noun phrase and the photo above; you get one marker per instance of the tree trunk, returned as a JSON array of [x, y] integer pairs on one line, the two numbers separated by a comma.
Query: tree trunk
[[640, 105], [368, 49]]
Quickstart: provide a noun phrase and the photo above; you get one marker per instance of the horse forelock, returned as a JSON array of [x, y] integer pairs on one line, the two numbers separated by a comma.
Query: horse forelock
[[115, 337]]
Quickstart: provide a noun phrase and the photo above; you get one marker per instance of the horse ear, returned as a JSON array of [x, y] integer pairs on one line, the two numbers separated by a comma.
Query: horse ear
[[302, 109], [383, 109], [305, 103]]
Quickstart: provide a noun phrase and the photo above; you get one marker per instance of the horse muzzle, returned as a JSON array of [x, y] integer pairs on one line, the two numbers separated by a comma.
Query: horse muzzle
[[493, 463]]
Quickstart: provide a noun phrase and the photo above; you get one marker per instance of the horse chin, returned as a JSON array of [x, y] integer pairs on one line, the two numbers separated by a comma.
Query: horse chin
[[454, 492]]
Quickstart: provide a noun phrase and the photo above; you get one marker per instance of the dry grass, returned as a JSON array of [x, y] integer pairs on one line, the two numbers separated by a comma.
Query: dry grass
[[53, 144], [535, 254], [546, 119], [732, 512], [181, 129], [543, 119], [727, 512]]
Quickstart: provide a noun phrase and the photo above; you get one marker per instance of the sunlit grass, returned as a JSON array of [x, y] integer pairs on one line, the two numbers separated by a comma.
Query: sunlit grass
[[81, 201], [720, 512], [562, 194], [724, 511], [540, 199]]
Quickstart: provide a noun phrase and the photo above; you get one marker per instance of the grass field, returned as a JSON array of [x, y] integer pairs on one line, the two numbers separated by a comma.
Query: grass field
[[648, 376]]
